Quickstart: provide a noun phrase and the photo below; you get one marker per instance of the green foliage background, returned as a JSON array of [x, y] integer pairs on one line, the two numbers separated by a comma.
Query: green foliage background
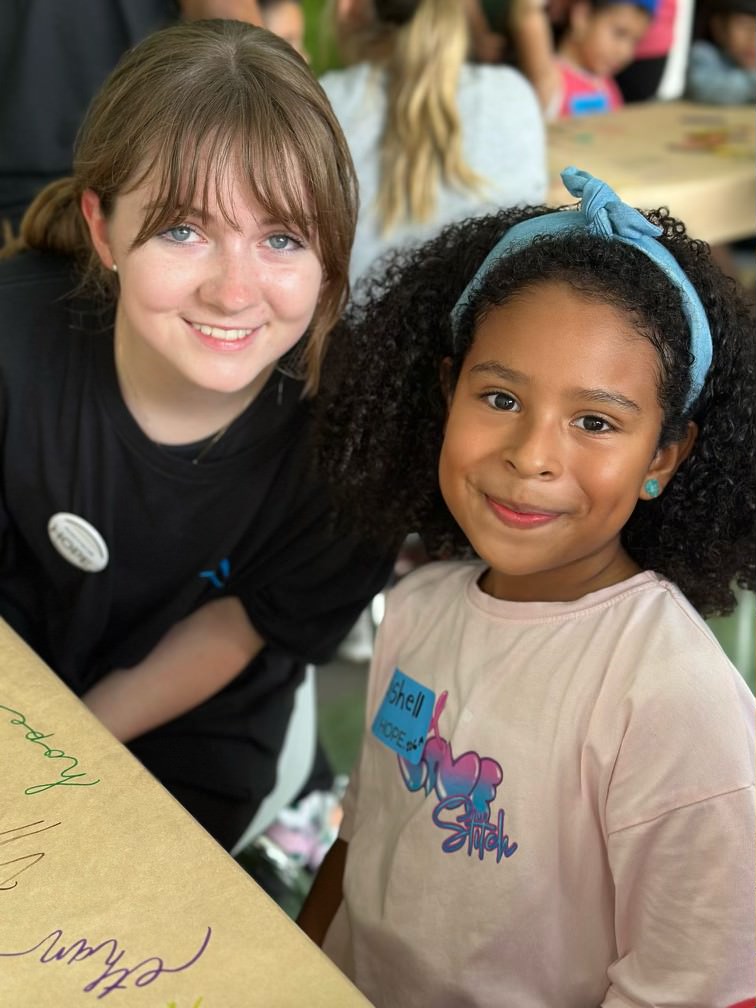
[[322, 54]]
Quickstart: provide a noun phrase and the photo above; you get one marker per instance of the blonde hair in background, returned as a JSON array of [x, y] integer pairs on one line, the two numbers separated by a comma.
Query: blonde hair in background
[[421, 146], [186, 108]]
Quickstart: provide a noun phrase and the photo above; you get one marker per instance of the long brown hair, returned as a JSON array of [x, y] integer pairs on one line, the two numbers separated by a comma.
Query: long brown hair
[[186, 107]]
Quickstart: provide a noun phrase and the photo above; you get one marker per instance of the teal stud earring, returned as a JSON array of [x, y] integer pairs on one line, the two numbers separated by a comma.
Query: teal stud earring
[[652, 488]]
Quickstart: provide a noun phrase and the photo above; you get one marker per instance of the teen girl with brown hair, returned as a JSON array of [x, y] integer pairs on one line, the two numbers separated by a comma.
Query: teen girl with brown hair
[[166, 547]]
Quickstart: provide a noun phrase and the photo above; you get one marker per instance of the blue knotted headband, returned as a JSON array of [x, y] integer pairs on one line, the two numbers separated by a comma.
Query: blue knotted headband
[[602, 212]]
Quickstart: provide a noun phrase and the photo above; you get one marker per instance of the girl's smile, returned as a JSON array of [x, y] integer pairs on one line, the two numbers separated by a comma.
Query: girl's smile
[[522, 515], [219, 338], [550, 436]]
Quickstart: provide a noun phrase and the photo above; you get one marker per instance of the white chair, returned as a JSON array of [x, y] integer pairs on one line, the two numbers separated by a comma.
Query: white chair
[[294, 762]]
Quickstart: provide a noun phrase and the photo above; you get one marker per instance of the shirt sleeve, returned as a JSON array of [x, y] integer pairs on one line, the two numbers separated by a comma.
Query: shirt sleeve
[[302, 575], [680, 823], [310, 607], [679, 939]]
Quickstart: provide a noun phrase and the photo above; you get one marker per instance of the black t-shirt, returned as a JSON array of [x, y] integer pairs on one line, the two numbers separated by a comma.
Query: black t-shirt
[[83, 488]]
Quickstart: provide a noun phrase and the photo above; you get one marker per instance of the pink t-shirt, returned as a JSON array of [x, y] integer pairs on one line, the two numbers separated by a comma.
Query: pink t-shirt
[[658, 39], [582, 93], [577, 827]]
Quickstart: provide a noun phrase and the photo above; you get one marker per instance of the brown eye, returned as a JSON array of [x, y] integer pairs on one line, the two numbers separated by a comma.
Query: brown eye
[[594, 424], [502, 401]]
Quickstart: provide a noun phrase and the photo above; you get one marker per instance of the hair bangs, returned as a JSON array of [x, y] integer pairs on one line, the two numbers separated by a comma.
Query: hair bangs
[[270, 163], [243, 150]]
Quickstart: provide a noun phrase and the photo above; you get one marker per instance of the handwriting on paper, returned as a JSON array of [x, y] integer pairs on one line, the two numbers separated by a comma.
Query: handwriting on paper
[[10, 870], [174, 1004], [55, 949], [65, 774]]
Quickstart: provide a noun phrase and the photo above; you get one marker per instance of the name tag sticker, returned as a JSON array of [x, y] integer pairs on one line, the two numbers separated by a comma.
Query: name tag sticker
[[404, 716], [588, 104]]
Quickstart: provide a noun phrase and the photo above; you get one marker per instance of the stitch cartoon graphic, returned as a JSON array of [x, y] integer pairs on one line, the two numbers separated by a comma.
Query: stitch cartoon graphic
[[467, 783]]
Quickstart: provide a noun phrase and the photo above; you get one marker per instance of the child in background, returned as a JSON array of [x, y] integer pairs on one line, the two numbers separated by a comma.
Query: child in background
[[554, 803], [661, 58], [599, 40], [166, 547], [285, 18], [722, 68], [722, 71]]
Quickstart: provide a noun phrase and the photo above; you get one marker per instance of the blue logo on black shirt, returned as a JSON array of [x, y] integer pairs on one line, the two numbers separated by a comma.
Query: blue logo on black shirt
[[219, 576]]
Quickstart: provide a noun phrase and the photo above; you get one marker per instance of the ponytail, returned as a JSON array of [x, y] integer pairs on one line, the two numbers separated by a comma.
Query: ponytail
[[53, 222], [422, 140]]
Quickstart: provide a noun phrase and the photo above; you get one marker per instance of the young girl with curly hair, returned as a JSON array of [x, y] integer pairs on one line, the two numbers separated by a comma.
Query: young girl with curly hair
[[554, 800]]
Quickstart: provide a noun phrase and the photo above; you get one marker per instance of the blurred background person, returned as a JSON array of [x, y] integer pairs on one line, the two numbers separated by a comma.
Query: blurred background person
[[434, 138], [286, 19], [661, 57], [524, 33], [722, 71], [722, 67], [53, 58], [575, 75]]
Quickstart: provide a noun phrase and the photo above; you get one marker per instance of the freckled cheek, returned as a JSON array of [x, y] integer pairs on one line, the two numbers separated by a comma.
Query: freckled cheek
[[154, 290], [294, 293]]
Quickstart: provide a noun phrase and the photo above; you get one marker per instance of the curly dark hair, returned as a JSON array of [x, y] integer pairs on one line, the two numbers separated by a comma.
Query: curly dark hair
[[382, 411]]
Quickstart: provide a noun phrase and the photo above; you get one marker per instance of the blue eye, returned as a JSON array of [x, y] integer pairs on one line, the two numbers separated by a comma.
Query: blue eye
[[181, 234], [284, 242], [502, 401]]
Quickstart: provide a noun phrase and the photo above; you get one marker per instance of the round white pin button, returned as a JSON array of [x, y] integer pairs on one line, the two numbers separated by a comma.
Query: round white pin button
[[78, 542]]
